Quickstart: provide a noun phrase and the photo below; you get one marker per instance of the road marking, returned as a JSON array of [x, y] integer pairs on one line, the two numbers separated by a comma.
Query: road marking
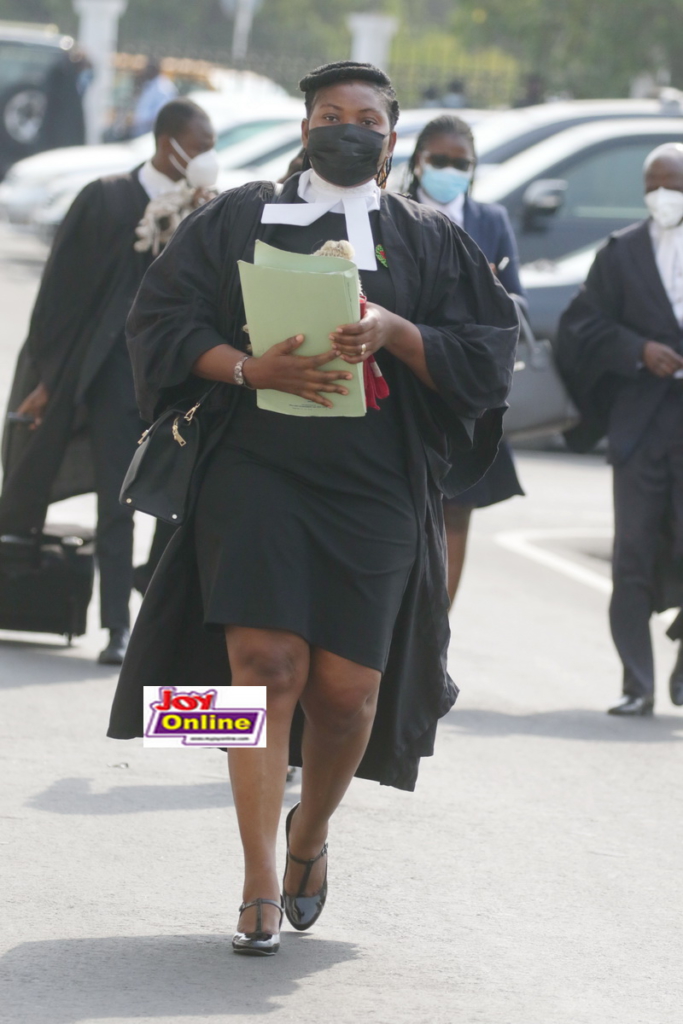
[[521, 542]]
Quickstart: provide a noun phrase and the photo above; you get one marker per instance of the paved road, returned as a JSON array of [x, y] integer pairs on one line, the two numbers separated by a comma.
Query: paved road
[[533, 878]]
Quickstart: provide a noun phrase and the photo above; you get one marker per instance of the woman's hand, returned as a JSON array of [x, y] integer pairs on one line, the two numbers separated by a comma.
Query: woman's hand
[[381, 329], [357, 342], [34, 405], [280, 369]]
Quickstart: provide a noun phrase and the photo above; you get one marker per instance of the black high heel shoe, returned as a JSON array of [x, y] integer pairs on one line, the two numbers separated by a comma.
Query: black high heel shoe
[[258, 943], [303, 911]]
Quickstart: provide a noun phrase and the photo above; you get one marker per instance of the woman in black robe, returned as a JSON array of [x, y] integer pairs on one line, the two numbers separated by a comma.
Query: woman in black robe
[[442, 167], [316, 547]]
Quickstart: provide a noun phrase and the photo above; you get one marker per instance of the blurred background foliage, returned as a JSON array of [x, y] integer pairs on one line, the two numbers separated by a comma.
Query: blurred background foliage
[[580, 47]]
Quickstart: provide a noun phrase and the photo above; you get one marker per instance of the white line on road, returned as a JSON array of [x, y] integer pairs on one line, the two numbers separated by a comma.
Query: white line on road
[[521, 542]]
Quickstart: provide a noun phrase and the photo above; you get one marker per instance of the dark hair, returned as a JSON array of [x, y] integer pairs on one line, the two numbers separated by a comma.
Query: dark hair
[[350, 71], [175, 116], [445, 124]]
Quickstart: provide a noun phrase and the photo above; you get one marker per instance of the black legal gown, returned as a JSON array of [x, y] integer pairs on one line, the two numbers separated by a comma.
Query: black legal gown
[[371, 546], [309, 525]]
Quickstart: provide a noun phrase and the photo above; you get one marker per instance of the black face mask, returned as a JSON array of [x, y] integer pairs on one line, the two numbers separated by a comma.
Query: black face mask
[[345, 154]]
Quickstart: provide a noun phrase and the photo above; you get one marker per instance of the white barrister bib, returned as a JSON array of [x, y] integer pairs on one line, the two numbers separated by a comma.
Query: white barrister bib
[[321, 197]]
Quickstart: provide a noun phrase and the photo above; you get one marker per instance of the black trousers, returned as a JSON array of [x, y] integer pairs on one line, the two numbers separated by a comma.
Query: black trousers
[[115, 428], [647, 489]]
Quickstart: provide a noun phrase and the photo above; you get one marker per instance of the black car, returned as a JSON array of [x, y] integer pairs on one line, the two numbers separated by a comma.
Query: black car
[[37, 106]]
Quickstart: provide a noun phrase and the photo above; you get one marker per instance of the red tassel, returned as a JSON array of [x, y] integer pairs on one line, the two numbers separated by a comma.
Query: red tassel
[[376, 386]]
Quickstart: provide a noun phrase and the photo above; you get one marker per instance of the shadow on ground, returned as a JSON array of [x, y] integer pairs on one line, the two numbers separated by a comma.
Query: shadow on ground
[[66, 981], [74, 796], [40, 663], [573, 724]]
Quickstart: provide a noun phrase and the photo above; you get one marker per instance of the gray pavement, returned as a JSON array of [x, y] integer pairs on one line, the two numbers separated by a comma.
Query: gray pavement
[[534, 877]]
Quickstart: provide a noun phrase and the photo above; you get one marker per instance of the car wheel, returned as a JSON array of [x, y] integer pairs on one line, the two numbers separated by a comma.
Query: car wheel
[[22, 111], [23, 115]]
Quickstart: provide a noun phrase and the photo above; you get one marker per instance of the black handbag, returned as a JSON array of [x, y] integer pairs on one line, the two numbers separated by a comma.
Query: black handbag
[[159, 477]]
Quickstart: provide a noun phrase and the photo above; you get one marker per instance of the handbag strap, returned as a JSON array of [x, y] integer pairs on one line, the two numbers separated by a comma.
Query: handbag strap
[[189, 415]]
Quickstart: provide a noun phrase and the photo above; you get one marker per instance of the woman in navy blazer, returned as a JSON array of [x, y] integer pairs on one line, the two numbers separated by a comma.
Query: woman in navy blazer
[[442, 169]]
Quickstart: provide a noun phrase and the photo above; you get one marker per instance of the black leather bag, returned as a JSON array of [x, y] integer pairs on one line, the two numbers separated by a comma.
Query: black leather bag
[[159, 477]]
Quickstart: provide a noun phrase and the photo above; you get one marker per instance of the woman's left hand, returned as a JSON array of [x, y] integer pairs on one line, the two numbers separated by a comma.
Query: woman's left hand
[[357, 342]]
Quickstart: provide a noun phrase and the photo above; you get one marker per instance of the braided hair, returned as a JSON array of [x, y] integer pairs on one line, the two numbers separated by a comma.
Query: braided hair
[[445, 124], [350, 71]]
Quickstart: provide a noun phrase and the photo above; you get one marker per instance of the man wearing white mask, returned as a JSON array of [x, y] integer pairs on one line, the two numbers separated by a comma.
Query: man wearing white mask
[[74, 375], [620, 348]]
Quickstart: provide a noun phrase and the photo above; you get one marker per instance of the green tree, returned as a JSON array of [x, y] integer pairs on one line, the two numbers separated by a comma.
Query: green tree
[[589, 47]]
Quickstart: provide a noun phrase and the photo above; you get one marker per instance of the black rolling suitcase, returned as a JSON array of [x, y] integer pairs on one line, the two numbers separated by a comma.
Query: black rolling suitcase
[[46, 584]]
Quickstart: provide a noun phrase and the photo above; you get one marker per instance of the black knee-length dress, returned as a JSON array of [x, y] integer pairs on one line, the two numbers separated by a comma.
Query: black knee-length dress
[[308, 524]]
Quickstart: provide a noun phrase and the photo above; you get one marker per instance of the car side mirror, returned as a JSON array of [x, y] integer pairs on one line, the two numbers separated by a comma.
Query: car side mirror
[[542, 199]]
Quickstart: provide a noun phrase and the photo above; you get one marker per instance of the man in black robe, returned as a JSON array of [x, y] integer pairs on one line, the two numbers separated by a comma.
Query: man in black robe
[[620, 348], [191, 301], [74, 375]]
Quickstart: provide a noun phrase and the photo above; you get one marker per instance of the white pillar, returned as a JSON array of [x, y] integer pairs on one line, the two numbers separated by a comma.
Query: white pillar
[[371, 36], [98, 34], [244, 16]]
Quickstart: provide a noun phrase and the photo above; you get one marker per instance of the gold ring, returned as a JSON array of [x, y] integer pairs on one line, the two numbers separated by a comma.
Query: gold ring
[[363, 348]]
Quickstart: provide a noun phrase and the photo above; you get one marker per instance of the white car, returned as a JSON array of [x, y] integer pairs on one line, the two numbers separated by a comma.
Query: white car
[[575, 188], [264, 144], [34, 182]]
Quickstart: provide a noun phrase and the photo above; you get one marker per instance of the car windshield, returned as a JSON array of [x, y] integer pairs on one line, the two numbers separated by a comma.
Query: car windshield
[[21, 63]]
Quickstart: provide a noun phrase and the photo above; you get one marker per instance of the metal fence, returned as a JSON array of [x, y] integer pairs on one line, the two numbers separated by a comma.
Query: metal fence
[[487, 81]]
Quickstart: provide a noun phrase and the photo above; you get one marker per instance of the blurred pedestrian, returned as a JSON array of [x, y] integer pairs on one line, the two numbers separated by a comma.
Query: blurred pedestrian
[[431, 97], [455, 96], [156, 89], [77, 348], [65, 86], [313, 563], [534, 91], [442, 168], [620, 349]]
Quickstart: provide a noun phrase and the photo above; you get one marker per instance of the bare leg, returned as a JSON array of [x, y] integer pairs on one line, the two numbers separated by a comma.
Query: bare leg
[[457, 528], [339, 702], [280, 661]]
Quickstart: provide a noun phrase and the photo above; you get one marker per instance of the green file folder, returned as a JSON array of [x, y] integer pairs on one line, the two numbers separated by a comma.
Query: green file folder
[[285, 294]]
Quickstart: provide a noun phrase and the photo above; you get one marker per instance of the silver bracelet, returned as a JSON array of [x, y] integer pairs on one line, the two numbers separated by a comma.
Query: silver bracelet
[[238, 374]]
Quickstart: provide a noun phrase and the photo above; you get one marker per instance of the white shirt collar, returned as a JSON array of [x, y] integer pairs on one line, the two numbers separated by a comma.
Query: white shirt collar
[[455, 210], [314, 189], [155, 183], [668, 248], [321, 197]]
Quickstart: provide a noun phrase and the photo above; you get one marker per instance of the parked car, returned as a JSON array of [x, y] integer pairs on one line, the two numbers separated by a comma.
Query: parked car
[[573, 189], [511, 132], [32, 183], [246, 145], [27, 54], [551, 285]]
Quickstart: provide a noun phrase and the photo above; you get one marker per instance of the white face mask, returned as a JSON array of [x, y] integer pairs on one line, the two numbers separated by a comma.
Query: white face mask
[[199, 171], [665, 206]]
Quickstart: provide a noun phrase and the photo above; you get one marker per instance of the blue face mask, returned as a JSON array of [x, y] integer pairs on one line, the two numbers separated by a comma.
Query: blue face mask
[[444, 184]]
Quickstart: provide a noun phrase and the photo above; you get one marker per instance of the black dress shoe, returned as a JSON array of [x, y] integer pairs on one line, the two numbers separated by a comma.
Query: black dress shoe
[[633, 706], [258, 943], [676, 679], [303, 911], [115, 651]]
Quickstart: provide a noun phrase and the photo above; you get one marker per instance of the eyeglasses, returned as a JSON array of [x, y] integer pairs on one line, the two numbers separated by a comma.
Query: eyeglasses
[[439, 160]]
